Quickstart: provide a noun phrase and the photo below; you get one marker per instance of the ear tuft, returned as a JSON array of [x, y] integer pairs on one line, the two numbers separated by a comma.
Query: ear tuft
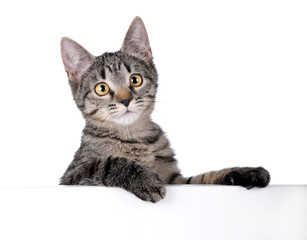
[[75, 58], [136, 41]]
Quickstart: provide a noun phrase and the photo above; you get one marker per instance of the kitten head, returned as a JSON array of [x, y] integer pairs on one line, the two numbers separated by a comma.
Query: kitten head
[[115, 87]]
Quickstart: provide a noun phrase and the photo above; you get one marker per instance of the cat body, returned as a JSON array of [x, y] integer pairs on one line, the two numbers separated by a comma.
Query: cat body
[[121, 146]]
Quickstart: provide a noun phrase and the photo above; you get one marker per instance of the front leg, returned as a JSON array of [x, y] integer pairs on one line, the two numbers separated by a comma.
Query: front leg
[[242, 176], [141, 181], [116, 172]]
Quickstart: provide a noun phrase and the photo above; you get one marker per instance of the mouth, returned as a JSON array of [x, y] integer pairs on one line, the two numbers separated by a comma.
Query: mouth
[[127, 117], [128, 112]]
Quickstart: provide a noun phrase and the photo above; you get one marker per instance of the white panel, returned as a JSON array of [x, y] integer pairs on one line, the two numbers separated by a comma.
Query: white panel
[[187, 212]]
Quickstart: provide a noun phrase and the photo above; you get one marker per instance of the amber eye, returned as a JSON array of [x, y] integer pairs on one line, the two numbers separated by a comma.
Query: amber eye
[[135, 80], [102, 89]]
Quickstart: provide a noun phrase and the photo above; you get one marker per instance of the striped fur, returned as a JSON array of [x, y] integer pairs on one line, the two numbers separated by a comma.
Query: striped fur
[[133, 152]]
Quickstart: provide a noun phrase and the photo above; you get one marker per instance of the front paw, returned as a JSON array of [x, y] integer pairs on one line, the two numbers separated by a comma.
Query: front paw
[[150, 188], [248, 177]]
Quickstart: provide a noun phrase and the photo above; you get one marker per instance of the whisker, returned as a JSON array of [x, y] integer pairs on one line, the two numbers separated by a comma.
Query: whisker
[[151, 102], [114, 112]]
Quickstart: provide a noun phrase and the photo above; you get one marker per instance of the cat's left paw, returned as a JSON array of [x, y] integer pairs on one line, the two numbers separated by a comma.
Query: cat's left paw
[[249, 177]]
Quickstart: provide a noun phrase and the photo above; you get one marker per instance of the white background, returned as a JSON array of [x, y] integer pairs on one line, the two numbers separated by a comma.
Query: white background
[[233, 82]]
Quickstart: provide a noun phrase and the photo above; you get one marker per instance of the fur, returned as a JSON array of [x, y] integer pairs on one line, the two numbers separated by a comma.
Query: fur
[[121, 146]]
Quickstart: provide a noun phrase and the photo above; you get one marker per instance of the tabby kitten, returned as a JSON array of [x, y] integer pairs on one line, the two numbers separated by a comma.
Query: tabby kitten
[[121, 146]]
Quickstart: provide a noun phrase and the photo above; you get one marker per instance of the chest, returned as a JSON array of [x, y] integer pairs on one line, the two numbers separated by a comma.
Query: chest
[[129, 150]]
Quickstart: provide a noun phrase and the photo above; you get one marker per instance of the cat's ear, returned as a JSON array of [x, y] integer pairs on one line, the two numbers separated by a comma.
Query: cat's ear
[[136, 41], [76, 59]]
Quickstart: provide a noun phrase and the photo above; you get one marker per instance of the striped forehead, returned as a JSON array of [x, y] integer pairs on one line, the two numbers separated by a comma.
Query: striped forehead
[[113, 65]]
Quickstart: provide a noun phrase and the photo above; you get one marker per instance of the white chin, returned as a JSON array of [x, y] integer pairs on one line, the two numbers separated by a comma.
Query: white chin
[[127, 118]]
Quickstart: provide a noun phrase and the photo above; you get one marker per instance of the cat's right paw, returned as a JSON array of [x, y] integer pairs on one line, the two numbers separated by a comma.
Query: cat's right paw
[[151, 189]]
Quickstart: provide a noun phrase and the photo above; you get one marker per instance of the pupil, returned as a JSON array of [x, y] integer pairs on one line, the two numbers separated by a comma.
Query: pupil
[[134, 80], [102, 88]]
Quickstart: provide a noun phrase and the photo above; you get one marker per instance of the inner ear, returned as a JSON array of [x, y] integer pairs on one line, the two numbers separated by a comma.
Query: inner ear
[[76, 59], [136, 41]]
